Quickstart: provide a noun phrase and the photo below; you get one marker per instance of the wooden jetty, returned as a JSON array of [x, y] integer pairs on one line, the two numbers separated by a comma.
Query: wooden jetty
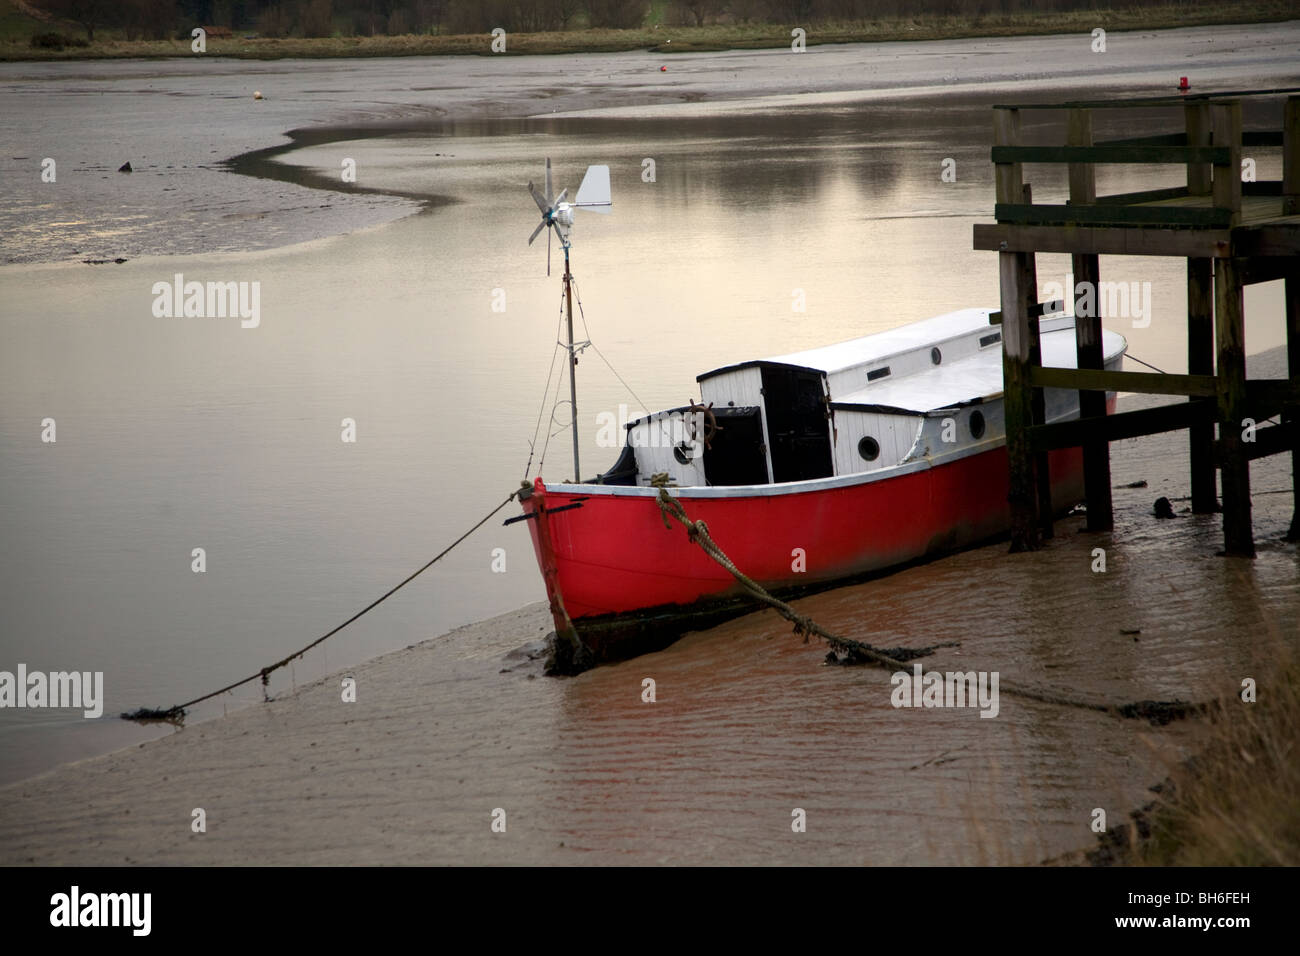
[[1231, 233]]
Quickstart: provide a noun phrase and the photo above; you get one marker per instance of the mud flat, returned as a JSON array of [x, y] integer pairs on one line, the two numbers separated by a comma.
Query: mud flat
[[178, 121]]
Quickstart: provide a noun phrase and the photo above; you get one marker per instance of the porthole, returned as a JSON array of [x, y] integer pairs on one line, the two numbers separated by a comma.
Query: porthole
[[868, 448], [935, 356], [977, 424]]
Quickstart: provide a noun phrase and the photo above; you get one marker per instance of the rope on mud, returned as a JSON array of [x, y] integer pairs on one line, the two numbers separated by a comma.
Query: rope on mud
[[1156, 711], [176, 713]]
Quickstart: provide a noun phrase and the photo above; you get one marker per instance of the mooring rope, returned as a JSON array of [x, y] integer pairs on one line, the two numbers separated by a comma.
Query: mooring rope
[[176, 713], [1155, 711], [1129, 355]]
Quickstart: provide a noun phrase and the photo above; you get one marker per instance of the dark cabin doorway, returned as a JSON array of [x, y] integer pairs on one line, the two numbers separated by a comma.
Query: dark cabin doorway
[[735, 455], [798, 431]]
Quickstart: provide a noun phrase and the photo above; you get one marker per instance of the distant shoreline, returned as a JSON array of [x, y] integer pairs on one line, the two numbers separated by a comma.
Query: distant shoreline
[[659, 39]]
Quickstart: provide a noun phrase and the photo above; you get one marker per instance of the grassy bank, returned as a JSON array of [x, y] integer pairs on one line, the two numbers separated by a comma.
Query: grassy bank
[[16, 31], [1237, 803]]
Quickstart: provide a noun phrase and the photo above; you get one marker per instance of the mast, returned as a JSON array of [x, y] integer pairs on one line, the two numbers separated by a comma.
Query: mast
[[573, 361], [557, 215]]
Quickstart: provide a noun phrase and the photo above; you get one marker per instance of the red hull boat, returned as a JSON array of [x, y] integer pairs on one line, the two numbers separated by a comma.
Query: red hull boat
[[809, 469]]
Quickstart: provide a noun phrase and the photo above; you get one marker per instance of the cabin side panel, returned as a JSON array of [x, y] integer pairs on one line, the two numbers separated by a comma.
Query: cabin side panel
[[665, 443], [869, 441], [738, 388]]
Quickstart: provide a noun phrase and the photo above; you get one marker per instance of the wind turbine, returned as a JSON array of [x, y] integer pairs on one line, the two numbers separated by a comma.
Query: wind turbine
[[557, 214]]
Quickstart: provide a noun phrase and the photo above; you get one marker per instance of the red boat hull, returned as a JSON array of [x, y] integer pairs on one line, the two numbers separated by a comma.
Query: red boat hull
[[630, 584]]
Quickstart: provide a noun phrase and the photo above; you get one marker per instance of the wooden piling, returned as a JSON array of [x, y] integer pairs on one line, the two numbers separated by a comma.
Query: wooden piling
[[1196, 118], [1037, 398], [1291, 206], [1230, 337], [1291, 415], [1291, 161], [1230, 333], [1022, 492], [1200, 361], [1087, 331], [1200, 320], [1014, 274]]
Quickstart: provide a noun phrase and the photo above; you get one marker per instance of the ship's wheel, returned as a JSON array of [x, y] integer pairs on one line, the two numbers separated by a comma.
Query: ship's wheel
[[711, 426]]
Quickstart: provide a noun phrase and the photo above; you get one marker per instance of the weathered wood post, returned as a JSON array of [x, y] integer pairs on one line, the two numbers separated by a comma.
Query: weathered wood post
[[1291, 159], [1230, 334], [1291, 207], [1014, 273], [1087, 331], [1290, 415], [1200, 321], [1038, 399]]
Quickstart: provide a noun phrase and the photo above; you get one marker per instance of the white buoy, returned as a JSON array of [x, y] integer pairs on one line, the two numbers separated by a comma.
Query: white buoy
[[257, 94]]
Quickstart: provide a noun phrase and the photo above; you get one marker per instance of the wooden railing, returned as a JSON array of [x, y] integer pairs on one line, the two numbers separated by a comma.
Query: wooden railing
[[1209, 148]]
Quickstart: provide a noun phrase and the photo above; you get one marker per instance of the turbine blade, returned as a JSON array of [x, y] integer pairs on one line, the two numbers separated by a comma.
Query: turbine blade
[[542, 204], [548, 182], [540, 226], [560, 198]]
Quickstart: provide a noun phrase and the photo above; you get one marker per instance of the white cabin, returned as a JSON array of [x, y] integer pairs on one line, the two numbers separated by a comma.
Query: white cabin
[[927, 389]]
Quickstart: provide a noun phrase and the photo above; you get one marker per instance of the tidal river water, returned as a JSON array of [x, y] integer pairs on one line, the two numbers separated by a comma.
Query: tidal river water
[[408, 312]]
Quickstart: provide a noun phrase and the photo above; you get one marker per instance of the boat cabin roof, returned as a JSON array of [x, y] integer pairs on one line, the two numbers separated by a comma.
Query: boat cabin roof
[[969, 373], [879, 346], [973, 378], [885, 345]]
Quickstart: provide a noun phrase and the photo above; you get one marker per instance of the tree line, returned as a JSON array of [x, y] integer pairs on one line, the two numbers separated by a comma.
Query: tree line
[[159, 19]]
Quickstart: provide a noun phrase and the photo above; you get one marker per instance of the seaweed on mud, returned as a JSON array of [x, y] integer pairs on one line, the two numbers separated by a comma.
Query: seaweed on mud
[[150, 715], [852, 658], [1160, 712]]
